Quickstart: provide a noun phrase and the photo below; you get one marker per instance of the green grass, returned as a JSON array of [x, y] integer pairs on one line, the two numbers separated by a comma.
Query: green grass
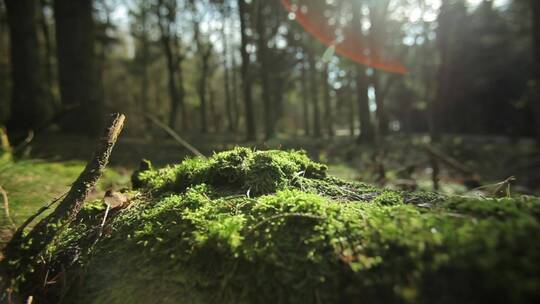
[[31, 184]]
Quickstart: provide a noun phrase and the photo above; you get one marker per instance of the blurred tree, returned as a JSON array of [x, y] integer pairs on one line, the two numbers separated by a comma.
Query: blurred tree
[[30, 107], [327, 98], [166, 12], [78, 74], [4, 66], [243, 10], [141, 31], [367, 132], [535, 13], [204, 52], [263, 57]]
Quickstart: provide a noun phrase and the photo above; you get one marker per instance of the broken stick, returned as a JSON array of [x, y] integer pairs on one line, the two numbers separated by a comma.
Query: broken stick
[[46, 229]]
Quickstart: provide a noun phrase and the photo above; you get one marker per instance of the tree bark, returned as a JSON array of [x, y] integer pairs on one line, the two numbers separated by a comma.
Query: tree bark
[[367, 134], [246, 77], [29, 108], [77, 70], [172, 64], [328, 115], [4, 69], [48, 51], [226, 75], [262, 54], [305, 98], [317, 132], [535, 10], [350, 103]]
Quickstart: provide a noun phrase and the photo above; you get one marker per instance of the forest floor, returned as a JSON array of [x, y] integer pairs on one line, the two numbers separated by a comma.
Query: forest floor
[[52, 162]]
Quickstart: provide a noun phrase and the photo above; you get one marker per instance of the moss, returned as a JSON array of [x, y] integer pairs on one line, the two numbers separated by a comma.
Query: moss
[[259, 172], [197, 237]]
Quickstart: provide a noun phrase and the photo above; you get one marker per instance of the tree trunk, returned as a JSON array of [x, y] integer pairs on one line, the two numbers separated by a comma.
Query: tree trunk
[[262, 54], [48, 54], [29, 108], [367, 134], [246, 77], [226, 76], [169, 44], [382, 115], [317, 132], [4, 69], [234, 92], [305, 98], [202, 86], [350, 103], [535, 9], [79, 84], [328, 116]]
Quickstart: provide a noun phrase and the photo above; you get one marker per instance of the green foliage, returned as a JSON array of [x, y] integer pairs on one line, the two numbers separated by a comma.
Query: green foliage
[[190, 238]]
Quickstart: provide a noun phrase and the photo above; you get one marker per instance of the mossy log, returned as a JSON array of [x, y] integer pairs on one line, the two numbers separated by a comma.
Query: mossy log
[[273, 227]]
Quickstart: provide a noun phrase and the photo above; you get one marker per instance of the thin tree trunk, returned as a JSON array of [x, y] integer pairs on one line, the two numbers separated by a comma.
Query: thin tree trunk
[[328, 116], [262, 54], [382, 115], [48, 50], [78, 73], [174, 94], [4, 70], [305, 98], [350, 103], [535, 8], [28, 107], [367, 134], [234, 91], [202, 86], [226, 76], [317, 132], [246, 77]]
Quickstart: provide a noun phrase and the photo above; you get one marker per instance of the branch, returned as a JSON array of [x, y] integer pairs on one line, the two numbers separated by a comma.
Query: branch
[[45, 231], [174, 135], [6, 208]]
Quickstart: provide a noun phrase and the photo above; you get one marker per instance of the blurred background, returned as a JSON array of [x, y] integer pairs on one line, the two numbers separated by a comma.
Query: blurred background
[[410, 94]]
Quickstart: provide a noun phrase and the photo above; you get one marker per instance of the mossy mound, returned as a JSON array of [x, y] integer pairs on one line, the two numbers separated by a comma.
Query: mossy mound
[[194, 235]]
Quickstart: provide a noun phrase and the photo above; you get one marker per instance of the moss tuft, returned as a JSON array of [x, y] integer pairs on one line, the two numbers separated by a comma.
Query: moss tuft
[[241, 169], [304, 237]]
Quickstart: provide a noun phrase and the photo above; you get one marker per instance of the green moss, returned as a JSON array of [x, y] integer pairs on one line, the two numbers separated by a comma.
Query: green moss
[[259, 172], [196, 237]]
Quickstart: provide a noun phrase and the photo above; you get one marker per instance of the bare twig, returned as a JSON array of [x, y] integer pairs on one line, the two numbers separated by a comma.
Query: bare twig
[[26, 142], [6, 208], [449, 161], [45, 231], [174, 135]]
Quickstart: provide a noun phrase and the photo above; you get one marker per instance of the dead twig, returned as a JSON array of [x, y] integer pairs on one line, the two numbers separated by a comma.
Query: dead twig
[[6, 208], [46, 229], [174, 135], [449, 161]]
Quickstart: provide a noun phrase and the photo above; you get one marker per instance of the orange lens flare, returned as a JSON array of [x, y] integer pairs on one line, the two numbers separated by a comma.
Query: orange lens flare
[[351, 46]]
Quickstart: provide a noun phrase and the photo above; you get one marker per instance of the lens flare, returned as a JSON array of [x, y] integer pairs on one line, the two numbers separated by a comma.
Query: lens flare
[[351, 43]]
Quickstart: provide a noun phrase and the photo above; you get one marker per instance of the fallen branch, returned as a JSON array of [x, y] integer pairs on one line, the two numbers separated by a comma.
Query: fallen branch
[[46, 229], [6, 208], [449, 161], [174, 135]]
